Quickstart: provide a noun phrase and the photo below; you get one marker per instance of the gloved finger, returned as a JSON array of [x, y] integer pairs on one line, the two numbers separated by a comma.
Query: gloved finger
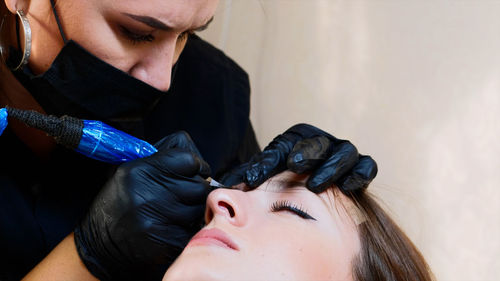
[[147, 184], [170, 235], [180, 139], [307, 154], [360, 176], [172, 201], [179, 161], [263, 166], [272, 160], [235, 176], [170, 244], [188, 191], [344, 157], [188, 216], [305, 131], [274, 157]]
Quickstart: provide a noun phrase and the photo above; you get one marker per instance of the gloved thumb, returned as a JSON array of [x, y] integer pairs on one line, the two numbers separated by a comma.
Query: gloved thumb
[[308, 154], [183, 142]]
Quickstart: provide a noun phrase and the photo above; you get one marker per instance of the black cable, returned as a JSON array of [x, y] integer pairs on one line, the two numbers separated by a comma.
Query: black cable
[[66, 130]]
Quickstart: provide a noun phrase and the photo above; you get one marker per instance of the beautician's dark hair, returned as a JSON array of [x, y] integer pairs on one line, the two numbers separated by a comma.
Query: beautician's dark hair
[[7, 33], [386, 253], [3, 10]]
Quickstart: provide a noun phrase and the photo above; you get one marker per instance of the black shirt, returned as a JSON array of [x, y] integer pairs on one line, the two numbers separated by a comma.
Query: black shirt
[[41, 200]]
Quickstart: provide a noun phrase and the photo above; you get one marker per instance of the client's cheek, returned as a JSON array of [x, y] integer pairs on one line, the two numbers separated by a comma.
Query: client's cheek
[[332, 252], [312, 257], [285, 250], [305, 250]]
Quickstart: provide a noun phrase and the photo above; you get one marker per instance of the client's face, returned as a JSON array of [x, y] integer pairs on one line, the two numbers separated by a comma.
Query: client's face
[[279, 231]]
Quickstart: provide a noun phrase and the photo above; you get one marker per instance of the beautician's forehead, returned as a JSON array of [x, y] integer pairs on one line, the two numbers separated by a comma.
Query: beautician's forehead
[[175, 13]]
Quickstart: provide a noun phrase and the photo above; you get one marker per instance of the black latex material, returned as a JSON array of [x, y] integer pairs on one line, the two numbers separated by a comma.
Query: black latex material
[[42, 199], [145, 215], [306, 149]]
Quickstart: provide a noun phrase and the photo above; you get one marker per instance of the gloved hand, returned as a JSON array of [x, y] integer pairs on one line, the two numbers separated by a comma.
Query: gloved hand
[[305, 148], [146, 214]]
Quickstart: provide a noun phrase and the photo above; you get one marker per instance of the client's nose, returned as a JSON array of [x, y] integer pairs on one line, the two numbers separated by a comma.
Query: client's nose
[[227, 204]]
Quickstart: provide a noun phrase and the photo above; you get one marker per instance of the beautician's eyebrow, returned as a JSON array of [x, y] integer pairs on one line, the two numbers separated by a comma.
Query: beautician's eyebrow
[[155, 23]]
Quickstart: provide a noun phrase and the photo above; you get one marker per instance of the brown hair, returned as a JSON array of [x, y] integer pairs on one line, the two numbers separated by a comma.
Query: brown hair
[[3, 9], [8, 34], [386, 252]]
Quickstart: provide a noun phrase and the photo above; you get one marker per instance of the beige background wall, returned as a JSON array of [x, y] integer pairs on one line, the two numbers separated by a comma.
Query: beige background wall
[[414, 83]]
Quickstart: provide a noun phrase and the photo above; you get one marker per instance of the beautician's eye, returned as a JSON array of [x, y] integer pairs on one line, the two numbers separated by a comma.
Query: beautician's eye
[[285, 205], [136, 37]]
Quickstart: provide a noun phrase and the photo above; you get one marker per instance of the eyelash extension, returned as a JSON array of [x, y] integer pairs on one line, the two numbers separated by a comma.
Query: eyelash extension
[[285, 205], [136, 38]]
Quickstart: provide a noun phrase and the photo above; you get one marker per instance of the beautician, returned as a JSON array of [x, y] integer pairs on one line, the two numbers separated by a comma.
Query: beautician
[[138, 66]]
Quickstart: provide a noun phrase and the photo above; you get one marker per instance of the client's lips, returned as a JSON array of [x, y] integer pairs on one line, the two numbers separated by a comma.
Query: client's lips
[[213, 236]]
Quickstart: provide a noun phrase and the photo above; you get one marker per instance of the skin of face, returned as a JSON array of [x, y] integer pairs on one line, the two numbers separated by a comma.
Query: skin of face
[[272, 245], [101, 27]]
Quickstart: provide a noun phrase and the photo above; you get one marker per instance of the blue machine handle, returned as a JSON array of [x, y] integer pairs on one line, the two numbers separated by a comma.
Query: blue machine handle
[[105, 143]]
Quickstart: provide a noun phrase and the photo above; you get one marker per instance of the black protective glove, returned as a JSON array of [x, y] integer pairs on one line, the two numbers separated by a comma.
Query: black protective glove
[[305, 148], [146, 214]]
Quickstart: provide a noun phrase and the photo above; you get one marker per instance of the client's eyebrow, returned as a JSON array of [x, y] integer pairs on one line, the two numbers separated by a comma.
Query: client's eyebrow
[[284, 184], [291, 183], [157, 24]]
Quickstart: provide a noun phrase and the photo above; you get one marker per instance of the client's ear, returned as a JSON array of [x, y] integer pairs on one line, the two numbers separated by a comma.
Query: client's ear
[[16, 5]]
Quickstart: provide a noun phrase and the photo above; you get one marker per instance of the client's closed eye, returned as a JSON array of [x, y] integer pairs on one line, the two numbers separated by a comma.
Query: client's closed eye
[[285, 205]]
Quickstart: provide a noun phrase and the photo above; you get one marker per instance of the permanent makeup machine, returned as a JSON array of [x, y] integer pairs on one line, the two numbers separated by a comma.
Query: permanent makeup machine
[[91, 138]]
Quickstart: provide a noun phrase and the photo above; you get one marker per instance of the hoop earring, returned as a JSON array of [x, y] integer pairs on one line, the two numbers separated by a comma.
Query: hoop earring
[[27, 40]]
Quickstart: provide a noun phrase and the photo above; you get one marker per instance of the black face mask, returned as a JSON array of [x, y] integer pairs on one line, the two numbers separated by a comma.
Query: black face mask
[[80, 84]]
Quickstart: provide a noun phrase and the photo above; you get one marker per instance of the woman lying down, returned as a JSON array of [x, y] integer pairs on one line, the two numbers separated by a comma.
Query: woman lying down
[[283, 231], [278, 231]]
